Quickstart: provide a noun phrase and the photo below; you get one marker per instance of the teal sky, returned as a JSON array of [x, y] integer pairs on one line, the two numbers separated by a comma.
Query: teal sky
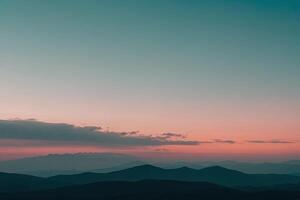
[[211, 69]]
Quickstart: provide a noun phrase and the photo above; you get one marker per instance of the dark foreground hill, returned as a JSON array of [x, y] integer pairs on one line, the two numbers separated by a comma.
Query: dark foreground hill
[[150, 190], [18, 182], [217, 175]]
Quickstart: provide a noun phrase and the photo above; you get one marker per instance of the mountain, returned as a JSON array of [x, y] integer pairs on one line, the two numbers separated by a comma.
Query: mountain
[[296, 174], [287, 167], [18, 182], [215, 174], [150, 190], [55, 164]]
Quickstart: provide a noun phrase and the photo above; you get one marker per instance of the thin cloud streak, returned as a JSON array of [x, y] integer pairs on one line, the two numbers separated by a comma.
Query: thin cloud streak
[[270, 141], [173, 135], [224, 141]]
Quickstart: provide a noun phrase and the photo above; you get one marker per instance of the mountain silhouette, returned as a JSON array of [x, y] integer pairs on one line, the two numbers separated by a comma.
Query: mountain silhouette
[[214, 174], [150, 190], [287, 167], [18, 182], [55, 164]]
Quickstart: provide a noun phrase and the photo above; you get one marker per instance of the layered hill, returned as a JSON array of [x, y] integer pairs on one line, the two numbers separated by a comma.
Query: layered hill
[[215, 174], [150, 190]]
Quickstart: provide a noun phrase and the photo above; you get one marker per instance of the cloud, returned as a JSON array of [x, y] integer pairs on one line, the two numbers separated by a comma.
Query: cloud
[[270, 141], [224, 141], [161, 150], [129, 133], [62, 133], [173, 135]]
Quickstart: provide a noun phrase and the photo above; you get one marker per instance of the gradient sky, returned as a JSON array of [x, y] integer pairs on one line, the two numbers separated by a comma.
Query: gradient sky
[[209, 70]]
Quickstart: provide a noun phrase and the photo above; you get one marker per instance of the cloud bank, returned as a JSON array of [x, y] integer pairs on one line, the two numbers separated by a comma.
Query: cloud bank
[[34, 130]]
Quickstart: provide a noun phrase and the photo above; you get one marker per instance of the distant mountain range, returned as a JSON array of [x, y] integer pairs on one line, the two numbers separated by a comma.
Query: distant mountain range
[[151, 182], [216, 175], [287, 167], [56, 164]]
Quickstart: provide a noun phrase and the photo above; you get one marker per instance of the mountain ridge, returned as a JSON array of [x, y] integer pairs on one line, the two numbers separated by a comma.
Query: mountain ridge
[[108, 162], [214, 174]]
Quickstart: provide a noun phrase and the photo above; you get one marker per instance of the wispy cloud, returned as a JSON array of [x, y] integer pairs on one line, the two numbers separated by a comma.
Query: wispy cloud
[[173, 135], [270, 141], [224, 141], [34, 130]]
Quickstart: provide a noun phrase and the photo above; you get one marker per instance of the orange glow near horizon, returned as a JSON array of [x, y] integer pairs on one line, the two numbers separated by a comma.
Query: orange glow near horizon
[[196, 123]]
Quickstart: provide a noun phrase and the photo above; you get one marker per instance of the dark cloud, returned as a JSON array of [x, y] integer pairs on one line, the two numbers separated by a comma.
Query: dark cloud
[[34, 130], [130, 133], [93, 128], [224, 141], [270, 141]]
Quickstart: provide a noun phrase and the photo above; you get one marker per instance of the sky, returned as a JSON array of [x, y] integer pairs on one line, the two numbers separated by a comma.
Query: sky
[[212, 79]]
